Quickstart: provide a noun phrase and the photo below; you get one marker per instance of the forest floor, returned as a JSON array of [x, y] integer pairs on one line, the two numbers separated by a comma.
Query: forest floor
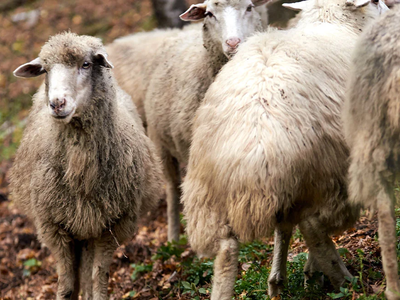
[[147, 267]]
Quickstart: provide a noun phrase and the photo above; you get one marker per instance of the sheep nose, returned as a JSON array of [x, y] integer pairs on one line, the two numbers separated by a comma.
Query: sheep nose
[[233, 42], [57, 104]]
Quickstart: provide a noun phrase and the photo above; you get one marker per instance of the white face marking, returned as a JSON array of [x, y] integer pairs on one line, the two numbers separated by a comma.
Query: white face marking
[[232, 26], [59, 81], [69, 87], [232, 22]]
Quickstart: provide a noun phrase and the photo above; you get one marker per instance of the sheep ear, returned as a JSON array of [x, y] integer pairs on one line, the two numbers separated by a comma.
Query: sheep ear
[[260, 2], [382, 7], [195, 12], [297, 6], [31, 69], [358, 3], [101, 57]]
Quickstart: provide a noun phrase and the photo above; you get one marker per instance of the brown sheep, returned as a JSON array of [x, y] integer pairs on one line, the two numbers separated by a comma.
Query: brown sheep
[[85, 170]]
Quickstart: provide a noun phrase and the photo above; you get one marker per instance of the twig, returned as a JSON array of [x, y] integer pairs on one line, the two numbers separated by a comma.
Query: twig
[[112, 233]]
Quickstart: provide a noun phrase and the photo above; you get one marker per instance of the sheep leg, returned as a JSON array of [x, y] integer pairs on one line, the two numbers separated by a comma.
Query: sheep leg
[[323, 251], [172, 175], [86, 268], [173, 178], [387, 242], [225, 269], [77, 259], [310, 268], [61, 246], [277, 277], [104, 248]]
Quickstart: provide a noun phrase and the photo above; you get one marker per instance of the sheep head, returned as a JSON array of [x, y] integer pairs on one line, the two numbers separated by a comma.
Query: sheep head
[[227, 23], [71, 63]]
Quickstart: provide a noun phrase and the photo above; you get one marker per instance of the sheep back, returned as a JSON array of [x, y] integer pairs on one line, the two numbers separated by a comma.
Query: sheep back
[[135, 58], [267, 144], [177, 88], [371, 112]]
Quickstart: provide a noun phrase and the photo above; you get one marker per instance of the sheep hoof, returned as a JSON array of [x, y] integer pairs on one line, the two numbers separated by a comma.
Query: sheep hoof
[[65, 295], [275, 285], [312, 279]]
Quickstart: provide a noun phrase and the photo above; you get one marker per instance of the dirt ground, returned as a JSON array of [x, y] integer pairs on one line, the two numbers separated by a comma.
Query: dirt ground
[[18, 244]]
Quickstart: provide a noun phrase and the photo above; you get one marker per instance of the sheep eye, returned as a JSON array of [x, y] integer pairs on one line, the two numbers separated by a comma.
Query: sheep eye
[[86, 65], [209, 14], [249, 8]]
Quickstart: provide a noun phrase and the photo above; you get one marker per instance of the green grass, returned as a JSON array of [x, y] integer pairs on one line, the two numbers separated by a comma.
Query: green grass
[[252, 283], [397, 214], [10, 141], [31, 266], [12, 116], [139, 269], [355, 284], [254, 267]]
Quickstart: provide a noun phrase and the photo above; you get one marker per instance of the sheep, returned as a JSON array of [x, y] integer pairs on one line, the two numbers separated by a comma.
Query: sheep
[[134, 57], [267, 149], [85, 170], [177, 86], [371, 126]]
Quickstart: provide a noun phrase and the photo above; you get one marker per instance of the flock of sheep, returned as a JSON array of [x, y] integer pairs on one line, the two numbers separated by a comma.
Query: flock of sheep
[[276, 128]]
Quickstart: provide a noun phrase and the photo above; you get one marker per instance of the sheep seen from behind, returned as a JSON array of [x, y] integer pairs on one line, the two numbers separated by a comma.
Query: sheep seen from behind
[[371, 118], [85, 169], [267, 149]]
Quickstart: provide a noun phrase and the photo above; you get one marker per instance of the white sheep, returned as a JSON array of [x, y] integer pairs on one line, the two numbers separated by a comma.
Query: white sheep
[[177, 87], [267, 149], [135, 58], [371, 118], [85, 169]]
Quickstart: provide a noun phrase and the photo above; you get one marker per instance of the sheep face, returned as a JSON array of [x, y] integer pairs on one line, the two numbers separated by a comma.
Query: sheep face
[[227, 23], [71, 67]]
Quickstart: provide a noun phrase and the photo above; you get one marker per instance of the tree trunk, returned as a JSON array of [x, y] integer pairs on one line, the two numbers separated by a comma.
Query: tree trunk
[[167, 12]]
